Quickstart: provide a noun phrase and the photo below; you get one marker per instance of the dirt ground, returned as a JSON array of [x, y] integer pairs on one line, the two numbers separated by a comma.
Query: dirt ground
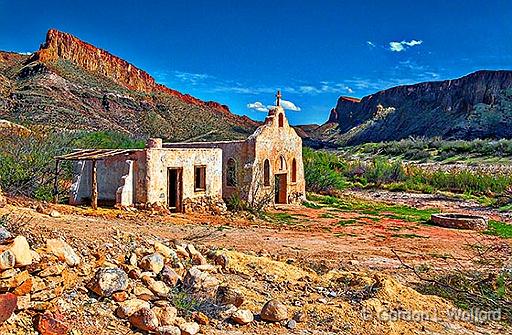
[[313, 239]]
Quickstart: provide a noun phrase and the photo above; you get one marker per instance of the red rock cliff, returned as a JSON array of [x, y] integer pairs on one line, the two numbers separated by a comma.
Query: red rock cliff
[[60, 45]]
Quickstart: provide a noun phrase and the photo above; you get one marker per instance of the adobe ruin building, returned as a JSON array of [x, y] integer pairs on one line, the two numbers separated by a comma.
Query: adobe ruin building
[[186, 177]]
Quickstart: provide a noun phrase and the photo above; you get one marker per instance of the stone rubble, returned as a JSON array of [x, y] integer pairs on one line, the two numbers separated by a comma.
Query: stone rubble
[[140, 287]]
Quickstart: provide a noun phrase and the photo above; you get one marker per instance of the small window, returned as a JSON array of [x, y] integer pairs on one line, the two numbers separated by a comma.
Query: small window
[[231, 173], [266, 173], [200, 178], [281, 120], [294, 170], [282, 163]]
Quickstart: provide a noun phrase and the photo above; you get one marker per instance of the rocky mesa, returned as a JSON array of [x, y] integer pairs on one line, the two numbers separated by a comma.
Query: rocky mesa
[[478, 105]]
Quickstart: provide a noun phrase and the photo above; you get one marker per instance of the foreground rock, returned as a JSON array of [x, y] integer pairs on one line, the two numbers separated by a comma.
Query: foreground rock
[[7, 260], [63, 251], [144, 319], [274, 311], [228, 296], [108, 280], [129, 307], [153, 263], [243, 317], [21, 250], [8, 304]]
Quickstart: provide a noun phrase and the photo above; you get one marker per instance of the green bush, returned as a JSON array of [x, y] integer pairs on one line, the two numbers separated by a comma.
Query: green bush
[[323, 171], [27, 163]]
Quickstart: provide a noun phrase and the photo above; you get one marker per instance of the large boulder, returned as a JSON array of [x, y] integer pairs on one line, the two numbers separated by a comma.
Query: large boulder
[[144, 319]]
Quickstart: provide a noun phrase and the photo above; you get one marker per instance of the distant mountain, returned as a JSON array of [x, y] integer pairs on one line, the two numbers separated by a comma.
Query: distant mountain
[[71, 84], [478, 105]]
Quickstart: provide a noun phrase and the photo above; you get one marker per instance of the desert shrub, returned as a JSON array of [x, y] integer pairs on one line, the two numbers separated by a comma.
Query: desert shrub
[[27, 163], [323, 171], [105, 140]]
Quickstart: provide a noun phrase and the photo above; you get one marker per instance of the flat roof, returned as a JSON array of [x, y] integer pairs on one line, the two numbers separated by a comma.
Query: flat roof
[[96, 154]]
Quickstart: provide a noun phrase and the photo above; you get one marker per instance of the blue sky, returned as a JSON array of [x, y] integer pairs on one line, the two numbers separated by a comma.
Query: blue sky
[[240, 52]]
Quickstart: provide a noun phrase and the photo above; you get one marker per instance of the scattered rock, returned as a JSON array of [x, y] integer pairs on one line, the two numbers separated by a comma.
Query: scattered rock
[[196, 280], [63, 251], [242, 316], [189, 328], [54, 214], [8, 304], [169, 276], [7, 260], [274, 311], [168, 330], [144, 319], [157, 287], [164, 250], [5, 236], [50, 324], [200, 318], [291, 324], [128, 307], [166, 315], [120, 296], [143, 293], [21, 250], [228, 296], [153, 263], [107, 281]]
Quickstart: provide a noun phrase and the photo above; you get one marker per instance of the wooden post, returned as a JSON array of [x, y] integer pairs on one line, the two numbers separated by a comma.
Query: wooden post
[[56, 183], [94, 186]]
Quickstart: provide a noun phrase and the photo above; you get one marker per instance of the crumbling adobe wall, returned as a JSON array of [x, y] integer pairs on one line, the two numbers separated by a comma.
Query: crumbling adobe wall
[[112, 174]]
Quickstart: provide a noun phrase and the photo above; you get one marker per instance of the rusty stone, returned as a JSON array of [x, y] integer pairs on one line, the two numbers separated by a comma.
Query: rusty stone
[[50, 324], [8, 304]]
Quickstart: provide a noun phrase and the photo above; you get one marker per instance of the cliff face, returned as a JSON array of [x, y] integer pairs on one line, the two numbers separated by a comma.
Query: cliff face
[[60, 45], [478, 105], [70, 84]]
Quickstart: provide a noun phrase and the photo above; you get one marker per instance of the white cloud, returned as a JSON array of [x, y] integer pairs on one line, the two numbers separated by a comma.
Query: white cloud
[[290, 106], [401, 46], [257, 106], [370, 44], [193, 78]]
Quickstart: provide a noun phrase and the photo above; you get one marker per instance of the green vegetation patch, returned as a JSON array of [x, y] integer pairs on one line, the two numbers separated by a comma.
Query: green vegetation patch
[[498, 228]]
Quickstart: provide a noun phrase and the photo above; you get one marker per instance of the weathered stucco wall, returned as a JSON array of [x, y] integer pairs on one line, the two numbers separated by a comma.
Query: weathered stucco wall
[[240, 151], [111, 174], [159, 160], [271, 142]]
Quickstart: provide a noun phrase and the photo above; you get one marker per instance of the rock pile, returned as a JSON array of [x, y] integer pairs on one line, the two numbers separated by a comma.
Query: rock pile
[[141, 286]]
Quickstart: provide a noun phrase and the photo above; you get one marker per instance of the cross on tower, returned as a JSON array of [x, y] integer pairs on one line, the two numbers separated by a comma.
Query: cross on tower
[[278, 96]]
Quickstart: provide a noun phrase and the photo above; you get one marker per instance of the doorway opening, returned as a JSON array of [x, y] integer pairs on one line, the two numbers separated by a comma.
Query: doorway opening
[[175, 189], [280, 188]]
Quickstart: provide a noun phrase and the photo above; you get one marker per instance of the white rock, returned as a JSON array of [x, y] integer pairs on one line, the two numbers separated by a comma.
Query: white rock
[[153, 263], [128, 307], [189, 328], [21, 251], [63, 251], [243, 316]]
